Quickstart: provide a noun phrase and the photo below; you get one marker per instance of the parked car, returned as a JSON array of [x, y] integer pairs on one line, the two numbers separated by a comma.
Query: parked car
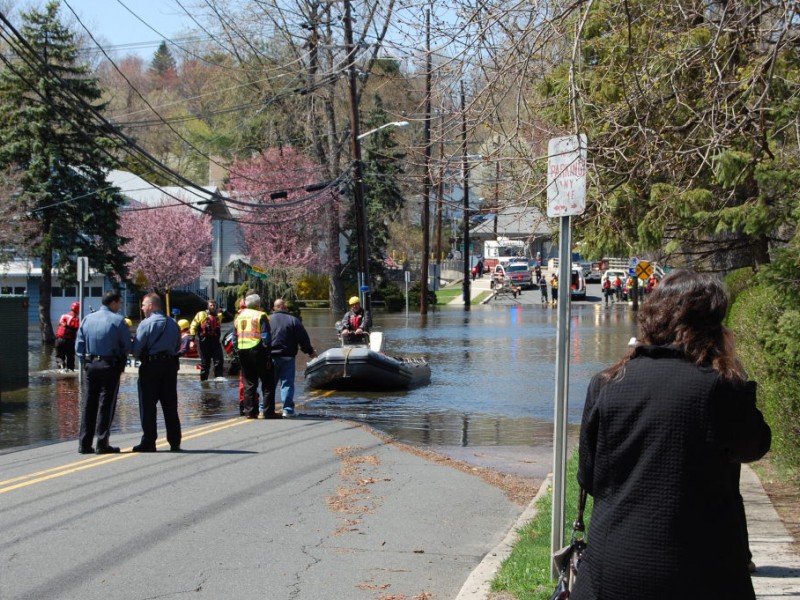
[[520, 274], [595, 273]]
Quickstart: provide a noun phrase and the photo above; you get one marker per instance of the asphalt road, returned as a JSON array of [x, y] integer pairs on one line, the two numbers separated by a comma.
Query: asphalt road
[[290, 509]]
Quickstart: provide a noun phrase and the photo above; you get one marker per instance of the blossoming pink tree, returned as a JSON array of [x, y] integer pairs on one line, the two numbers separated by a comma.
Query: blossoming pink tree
[[281, 232], [169, 244]]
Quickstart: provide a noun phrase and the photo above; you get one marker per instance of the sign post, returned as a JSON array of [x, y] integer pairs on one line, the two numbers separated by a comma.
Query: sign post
[[82, 266], [566, 196]]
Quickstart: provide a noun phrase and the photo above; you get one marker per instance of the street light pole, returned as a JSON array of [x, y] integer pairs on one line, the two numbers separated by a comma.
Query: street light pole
[[358, 174], [426, 178], [465, 167]]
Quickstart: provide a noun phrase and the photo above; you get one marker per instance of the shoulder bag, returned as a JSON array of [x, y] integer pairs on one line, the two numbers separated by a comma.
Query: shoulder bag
[[568, 559]]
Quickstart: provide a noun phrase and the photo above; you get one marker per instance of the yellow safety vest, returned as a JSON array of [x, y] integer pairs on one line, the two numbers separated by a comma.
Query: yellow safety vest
[[248, 328]]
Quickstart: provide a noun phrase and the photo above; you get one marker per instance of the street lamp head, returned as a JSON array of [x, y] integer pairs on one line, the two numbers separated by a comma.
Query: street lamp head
[[400, 124]]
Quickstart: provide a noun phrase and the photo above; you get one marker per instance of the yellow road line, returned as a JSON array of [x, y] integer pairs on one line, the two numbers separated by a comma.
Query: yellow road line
[[315, 395], [103, 459]]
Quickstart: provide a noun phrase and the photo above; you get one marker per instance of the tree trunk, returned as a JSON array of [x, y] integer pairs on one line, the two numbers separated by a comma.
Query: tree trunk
[[45, 290]]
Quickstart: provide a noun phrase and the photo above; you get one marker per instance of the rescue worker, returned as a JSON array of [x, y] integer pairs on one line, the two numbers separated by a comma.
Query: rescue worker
[[206, 329], [188, 342], [253, 344], [356, 323], [103, 343], [65, 338]]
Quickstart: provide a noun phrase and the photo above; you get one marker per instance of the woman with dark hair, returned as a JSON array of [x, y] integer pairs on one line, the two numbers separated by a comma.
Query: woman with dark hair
[[663, 435]]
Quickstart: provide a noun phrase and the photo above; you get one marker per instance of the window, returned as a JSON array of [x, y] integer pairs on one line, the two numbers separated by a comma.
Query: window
[[70, 291], [97, 292], [56, 292]]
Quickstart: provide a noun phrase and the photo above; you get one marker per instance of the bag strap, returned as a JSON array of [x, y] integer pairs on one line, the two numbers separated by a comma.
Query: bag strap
[[578, 525]]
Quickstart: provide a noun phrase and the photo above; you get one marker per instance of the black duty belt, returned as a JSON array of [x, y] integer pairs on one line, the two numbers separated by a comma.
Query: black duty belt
[[97, 358]]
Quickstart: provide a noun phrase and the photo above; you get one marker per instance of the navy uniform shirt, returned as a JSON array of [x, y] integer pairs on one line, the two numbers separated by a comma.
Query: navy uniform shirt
[[157, 334], [103, 333]]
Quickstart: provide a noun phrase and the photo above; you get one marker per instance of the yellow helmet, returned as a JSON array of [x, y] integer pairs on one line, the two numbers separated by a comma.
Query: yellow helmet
[[354, 300], [183, 324]]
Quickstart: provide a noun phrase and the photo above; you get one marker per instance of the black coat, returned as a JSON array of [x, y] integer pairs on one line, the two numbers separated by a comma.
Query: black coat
[[658, 453]]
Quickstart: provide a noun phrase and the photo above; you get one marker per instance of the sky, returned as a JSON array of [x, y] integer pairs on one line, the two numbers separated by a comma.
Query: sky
[[111, 21]]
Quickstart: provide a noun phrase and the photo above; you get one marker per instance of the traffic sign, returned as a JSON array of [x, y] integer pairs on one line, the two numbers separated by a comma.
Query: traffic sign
[[644, 269], [566, 176], [258, 273], [633, 261], [632, 271]]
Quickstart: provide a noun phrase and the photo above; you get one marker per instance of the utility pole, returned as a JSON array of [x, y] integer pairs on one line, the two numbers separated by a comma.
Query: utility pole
[[426, 178], [440, 192], [358, 168], [465, 168], [496, 196]]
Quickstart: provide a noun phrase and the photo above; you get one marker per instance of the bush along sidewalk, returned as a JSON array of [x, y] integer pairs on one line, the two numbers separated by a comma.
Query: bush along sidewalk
[[526, 573]]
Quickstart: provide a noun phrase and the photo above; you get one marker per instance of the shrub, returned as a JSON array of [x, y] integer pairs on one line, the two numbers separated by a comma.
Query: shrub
[[313, 286], [739, 280], [393, 297], [768, 339]]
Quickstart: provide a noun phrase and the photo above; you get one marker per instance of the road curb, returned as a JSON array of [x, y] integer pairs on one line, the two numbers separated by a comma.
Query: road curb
[[477, 586]]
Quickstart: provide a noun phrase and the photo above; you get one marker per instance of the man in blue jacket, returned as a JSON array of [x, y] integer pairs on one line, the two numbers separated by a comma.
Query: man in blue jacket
[[288, 334], [158, 340], [102, 344]]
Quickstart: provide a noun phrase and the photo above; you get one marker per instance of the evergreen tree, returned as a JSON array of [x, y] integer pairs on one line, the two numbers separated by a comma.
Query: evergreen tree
[[163, 64], [48, 135]]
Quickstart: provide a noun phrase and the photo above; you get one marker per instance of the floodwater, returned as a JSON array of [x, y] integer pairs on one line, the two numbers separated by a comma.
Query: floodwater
[[492, 380]]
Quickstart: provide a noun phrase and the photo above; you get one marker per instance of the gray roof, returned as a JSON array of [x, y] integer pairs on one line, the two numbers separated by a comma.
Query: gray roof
[[137, 189], [515, 223]]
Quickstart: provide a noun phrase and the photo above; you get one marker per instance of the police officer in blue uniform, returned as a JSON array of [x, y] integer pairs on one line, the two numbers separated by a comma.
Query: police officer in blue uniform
[[102, 345], [157, 342]]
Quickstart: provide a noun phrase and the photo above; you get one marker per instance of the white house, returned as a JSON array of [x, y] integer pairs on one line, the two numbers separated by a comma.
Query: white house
[[227, 243]]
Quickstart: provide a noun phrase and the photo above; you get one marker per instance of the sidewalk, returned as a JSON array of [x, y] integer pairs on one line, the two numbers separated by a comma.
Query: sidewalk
[[778, 574], [481, 284]]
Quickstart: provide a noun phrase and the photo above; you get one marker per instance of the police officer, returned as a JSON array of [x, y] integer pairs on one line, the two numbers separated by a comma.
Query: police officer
[[156, 345], [253, 344], [102, 344]]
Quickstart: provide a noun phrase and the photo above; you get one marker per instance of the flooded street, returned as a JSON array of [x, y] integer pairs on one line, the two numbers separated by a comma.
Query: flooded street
[[492, 382]]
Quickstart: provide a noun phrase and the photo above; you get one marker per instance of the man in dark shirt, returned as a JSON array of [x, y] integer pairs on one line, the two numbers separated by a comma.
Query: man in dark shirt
[[288, 334], [156, 345], [102, 344]]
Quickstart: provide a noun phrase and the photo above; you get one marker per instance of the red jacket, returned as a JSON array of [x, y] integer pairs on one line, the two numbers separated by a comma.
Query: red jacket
[[68, 326]]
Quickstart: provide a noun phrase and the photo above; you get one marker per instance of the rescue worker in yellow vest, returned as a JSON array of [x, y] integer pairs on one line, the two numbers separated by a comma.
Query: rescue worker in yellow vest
[[205, 328], [253, 344]]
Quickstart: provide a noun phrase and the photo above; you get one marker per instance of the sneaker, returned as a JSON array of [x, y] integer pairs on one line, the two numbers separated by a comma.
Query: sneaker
[[288, 413]]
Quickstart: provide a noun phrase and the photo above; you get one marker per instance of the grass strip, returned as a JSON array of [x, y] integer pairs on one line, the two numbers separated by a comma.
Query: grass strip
[[445, 295], [525, 574]]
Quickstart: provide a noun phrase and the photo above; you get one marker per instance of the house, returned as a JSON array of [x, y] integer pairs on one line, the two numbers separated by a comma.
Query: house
[[227, 243], [526, 224], [22, 276]]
